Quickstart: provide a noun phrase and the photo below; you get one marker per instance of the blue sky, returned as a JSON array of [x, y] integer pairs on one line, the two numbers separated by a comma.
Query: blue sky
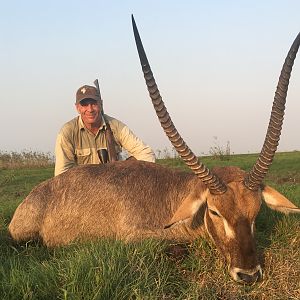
[[216, 64]]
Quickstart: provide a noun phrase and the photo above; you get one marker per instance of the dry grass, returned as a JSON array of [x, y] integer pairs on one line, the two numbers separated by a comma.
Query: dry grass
[[281, 268], [25, 159]]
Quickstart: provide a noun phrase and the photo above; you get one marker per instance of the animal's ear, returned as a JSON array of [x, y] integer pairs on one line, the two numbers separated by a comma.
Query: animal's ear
[[188, 208], [278, 202]]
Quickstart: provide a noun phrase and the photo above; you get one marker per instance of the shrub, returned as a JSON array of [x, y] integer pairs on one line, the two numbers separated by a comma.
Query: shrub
[[218, 152]]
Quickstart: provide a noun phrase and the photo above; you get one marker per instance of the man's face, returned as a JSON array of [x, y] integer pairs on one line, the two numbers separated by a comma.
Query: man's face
[[90, 111]]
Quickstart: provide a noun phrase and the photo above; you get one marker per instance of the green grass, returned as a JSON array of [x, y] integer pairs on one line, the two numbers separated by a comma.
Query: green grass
[[107, 269], [96, 270]]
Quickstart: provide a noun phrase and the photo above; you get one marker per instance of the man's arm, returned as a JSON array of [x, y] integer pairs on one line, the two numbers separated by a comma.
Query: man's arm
[[135, 146], [64, 154]]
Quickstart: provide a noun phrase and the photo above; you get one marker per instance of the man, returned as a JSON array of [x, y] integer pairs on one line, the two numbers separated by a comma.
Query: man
[[94, 137]]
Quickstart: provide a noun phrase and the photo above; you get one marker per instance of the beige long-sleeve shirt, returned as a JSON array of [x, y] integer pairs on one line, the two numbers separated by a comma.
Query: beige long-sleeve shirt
[[76, 145]]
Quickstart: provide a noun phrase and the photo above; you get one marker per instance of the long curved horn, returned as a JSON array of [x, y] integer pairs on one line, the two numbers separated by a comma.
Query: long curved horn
[[260, 168], [215, 185]]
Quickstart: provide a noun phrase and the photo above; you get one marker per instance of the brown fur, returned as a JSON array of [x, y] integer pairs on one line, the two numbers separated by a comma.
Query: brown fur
[[134, 200], [125, 200]]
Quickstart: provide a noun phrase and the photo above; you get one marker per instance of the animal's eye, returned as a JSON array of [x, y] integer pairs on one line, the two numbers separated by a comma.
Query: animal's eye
[[213, 212]]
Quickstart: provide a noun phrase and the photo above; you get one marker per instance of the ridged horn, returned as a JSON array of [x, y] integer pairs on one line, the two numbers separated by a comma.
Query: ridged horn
[[260, 168], [214, 183]]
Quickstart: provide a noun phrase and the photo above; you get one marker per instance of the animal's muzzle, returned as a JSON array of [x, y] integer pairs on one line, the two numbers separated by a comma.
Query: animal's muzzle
[[247, 276]]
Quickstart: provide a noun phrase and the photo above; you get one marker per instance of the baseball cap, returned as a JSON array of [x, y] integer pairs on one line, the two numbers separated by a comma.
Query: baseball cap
[[87, 92]]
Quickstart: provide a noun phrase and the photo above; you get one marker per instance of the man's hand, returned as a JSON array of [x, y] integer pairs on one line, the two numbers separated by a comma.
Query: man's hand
[[131, 158]]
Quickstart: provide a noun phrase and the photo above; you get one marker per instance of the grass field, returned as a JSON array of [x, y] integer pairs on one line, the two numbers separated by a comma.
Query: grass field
[[107, 269]]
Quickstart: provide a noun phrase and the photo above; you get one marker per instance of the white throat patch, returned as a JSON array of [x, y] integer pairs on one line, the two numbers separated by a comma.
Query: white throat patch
[[228, 230]]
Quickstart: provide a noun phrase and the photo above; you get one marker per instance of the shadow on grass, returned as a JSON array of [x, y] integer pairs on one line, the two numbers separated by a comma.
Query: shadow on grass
[[11, 249], [270, 229]]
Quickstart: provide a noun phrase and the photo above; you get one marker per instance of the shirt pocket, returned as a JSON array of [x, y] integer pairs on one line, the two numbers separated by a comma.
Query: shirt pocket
[[83, 156]]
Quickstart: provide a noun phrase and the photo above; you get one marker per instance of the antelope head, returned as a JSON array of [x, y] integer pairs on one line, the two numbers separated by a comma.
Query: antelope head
[[232, 197]]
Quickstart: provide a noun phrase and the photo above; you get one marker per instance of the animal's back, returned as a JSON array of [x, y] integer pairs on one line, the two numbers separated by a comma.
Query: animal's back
[[124, 200]]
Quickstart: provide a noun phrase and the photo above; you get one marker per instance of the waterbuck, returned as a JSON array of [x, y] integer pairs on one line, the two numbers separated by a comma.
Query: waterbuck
[[132, 200]]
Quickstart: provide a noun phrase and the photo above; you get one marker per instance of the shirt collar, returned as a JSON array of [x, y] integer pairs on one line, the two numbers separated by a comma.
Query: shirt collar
[[81, 124]]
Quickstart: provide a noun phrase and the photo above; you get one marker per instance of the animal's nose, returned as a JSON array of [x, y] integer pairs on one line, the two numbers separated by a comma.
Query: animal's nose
[[246, 278]]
